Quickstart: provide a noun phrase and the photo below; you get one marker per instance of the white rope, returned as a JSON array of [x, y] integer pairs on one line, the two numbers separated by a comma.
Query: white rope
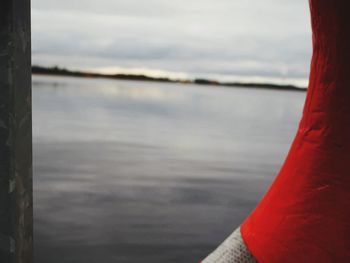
[[232, 250]]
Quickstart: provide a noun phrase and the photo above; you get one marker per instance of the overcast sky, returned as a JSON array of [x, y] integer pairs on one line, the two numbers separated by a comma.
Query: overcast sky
[[223, 39]]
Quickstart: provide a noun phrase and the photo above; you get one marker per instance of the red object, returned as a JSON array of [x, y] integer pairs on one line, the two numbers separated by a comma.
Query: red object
[[305, 216]]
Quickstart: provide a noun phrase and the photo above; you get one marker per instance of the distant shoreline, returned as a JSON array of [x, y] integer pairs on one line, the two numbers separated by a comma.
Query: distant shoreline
[[56, 71]]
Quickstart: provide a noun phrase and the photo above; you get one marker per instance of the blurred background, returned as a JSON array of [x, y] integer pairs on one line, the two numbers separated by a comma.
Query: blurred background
[[160, 169]]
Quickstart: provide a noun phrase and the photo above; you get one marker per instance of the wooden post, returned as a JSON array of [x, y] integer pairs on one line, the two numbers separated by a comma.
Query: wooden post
[[16, 209]]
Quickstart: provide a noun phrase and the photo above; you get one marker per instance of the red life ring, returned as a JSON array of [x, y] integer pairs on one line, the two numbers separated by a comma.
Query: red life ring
[[305, 215]]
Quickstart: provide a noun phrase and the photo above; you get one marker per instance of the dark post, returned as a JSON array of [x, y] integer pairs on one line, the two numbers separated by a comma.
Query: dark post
[[16, 223]]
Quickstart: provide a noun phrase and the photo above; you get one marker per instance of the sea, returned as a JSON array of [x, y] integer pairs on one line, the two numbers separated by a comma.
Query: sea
[[133, 171]]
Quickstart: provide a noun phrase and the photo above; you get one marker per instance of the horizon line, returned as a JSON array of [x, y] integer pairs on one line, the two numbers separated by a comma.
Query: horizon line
[[58, 71]]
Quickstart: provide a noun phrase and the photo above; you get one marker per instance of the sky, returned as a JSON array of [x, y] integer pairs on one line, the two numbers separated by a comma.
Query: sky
[[227, 40]]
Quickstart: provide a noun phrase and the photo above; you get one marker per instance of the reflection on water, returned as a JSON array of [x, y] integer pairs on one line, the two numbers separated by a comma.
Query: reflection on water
[[150, 172]]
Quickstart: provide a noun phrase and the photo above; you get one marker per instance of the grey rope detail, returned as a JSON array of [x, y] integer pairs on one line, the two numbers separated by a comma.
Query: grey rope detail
[[232, 250]]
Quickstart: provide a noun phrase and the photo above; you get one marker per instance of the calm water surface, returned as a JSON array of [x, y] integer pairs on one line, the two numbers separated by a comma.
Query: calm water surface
[[150, 172]]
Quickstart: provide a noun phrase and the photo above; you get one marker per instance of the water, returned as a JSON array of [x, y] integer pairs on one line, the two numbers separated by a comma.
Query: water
[[150, 172]]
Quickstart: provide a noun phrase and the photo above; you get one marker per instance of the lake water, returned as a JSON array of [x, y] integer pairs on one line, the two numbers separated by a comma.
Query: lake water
[[150, 172]]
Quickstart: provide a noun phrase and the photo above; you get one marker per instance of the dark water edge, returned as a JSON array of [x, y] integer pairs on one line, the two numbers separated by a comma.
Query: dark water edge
[[88, 210]]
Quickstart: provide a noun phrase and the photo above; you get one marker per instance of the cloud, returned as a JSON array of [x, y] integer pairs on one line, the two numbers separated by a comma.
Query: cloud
[[200, 37]]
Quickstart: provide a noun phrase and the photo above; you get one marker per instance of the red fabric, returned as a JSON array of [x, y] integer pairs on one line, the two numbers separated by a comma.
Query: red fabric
[[305, 215]]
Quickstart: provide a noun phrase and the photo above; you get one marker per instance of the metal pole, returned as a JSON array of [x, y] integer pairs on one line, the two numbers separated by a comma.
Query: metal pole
[[16, 209]]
